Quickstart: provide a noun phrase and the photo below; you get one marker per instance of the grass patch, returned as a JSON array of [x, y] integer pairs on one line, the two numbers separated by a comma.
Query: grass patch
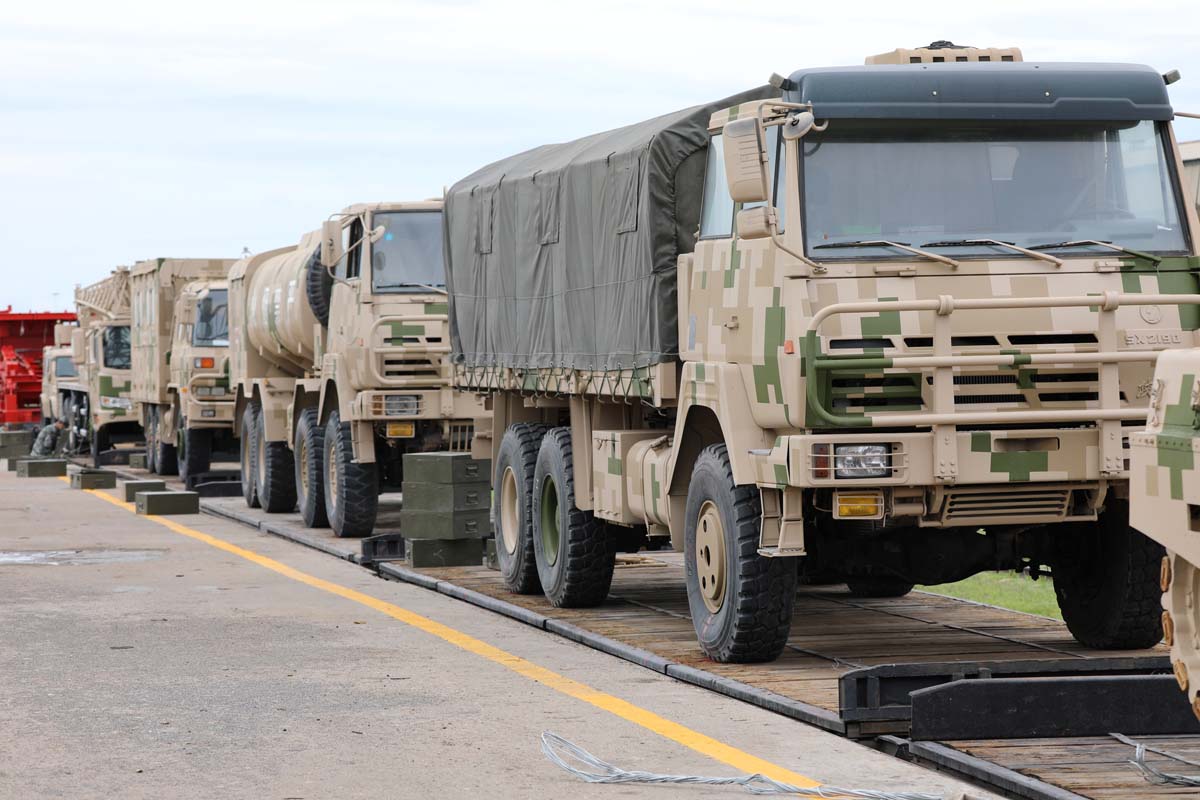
[[1006, 590]]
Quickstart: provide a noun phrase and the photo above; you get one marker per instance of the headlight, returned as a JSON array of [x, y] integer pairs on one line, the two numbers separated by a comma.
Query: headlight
[[401, 405], [209, 391], [862, 460], [116, 402]]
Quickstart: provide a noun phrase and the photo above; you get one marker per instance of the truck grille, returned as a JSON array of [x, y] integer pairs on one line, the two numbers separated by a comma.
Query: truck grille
[[1016, 505], [903, 392]]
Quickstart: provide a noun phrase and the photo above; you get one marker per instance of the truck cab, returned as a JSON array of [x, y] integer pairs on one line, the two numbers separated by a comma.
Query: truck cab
[[927, 299], [199, 374]]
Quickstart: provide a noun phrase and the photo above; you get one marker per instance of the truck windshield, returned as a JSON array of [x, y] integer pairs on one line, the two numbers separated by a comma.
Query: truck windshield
[[64, 367], [408, 257], [116, 347], [212, 320], [946, 185]]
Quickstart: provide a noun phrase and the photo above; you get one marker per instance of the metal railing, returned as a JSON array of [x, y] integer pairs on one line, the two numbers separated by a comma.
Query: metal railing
[[942, 415]]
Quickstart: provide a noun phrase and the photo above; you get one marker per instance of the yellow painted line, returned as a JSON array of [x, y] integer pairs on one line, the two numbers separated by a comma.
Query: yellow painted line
[[706, 745]]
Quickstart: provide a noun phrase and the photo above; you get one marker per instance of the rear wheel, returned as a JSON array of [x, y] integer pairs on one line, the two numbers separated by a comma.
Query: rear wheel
[[195, 454], [351, 490], [248, 450], [740, 602], [1106, 577], [514, 506], [309, 449], [1181, 622], [166, 458], [274, 472], [574, 551]]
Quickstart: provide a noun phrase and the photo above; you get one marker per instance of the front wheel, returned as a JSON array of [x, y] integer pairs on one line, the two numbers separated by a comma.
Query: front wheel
[[195, 453], [247, 450], [1181, 622], [1106, 577], [310, 480], [351, 489], [740, 602], [274, 471], [574, 551]]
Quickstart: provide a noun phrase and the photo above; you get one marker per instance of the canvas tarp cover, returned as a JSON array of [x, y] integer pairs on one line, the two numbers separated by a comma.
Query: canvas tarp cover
[[564, 256]]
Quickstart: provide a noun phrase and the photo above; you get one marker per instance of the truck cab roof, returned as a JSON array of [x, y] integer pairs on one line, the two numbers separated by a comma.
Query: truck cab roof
[[983, 90]]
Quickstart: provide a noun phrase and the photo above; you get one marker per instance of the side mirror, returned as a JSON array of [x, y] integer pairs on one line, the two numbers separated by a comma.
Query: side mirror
[[756, 223], [331, 242], [798, 125], [746, 160], [78, 347], [377, 233]]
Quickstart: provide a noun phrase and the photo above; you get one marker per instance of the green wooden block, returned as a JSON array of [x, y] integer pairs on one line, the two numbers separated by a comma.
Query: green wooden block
[[444, 553], [131, 488], [94, 479], [136, 461], [490, 559], [446, 468], [41, 468], [15, 450], [22, 438], [472, 496], [444, 524], [11, 463], [165, 503]]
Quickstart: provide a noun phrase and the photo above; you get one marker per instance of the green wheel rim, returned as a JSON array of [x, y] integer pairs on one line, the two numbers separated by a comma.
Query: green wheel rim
[[550, 534]]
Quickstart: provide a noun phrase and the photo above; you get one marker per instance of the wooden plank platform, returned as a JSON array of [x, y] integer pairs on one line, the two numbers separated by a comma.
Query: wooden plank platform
[[832, 632], [1092, 767]]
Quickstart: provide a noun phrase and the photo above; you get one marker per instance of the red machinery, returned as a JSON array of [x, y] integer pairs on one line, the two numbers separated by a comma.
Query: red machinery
[[22, 337]]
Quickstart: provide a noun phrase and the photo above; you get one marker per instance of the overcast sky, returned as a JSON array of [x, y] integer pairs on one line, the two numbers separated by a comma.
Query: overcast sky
[[131, 130]]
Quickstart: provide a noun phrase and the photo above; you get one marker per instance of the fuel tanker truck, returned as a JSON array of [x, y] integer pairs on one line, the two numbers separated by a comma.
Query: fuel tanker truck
[[883, 324], [339, 364], [180, 338]]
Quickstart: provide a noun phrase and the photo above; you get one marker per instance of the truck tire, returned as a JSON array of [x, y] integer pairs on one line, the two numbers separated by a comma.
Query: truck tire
[[878, 586], [148, 437], [274, 471], [99, 445], [195, 453], [247, 450], [351, 490], [575, 552], [512, 506], [309, 451], [318, 286], [166, 459], [1106, 577], [740, 602]]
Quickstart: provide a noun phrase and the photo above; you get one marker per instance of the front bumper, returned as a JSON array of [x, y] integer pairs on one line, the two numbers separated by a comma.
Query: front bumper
[[1002, 476]]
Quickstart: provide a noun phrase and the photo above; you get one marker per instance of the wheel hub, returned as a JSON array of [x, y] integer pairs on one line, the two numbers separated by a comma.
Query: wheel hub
[[550, 522], [508, 510], [710, 556], [1182, 603], [331, 469]]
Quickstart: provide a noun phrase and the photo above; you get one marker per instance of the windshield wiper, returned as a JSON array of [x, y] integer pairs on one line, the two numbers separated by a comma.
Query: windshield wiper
[[1094, 243], [1058, 262], [885, 243]]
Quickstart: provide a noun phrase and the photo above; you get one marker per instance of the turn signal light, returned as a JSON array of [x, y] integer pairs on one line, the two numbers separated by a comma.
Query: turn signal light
[[861, 505], [206, 362]]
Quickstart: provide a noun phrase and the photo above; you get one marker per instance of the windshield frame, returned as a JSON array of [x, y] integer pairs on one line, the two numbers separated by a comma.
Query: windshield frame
[[406, 288], [850, 254], [196, 341], [128, 349]]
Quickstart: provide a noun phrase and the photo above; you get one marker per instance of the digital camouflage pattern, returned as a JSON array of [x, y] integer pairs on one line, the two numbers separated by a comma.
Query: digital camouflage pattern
[[104, 395], [1165, 503], [375, 347]]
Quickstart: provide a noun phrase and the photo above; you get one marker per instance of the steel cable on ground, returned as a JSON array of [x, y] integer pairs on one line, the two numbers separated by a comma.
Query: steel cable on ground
[[1152, 773], [579, 762]]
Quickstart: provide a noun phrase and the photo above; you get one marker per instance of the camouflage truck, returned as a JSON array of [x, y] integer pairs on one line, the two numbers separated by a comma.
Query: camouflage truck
[[340, 366], [181, 362], [884, 324], [58, 368], [98, 403], [1165, 486]]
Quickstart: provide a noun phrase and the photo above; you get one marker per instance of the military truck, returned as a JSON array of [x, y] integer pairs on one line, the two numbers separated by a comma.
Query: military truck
[[57, 367], [339, 364], [98, 403], [180, 362], [884, 324]]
